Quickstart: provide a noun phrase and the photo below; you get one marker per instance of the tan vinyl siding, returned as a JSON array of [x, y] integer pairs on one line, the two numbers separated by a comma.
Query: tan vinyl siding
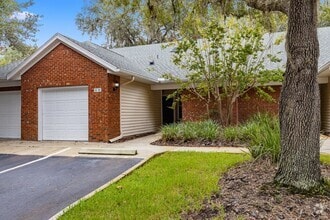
[[325, 107], [140, 108]]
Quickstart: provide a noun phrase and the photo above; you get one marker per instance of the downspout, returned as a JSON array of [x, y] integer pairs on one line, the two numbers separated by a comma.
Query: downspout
[[128, 82], [121, 133]]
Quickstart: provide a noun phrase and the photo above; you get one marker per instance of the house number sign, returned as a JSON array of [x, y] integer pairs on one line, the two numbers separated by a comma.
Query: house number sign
[[97, 89]]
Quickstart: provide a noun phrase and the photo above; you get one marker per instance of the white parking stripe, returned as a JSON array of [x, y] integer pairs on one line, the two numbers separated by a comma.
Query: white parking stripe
[[34, 161]]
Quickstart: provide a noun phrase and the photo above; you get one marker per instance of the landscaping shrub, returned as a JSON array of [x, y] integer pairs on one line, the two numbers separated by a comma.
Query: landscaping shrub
[[234, 134], [188, 131], [265, 138], [170, 132], [261, 133]]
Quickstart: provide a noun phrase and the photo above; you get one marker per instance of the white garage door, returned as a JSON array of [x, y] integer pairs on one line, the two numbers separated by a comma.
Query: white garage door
[[63, 113], [10, 114]]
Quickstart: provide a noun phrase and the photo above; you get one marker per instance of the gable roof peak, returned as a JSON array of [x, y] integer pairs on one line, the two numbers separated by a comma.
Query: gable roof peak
[[110, 60]]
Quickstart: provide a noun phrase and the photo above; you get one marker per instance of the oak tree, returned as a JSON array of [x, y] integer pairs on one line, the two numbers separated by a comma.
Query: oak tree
[[136, 22], [299, 164]]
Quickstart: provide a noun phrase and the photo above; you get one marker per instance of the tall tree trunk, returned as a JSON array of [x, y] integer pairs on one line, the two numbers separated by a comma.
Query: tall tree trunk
[[300, 101]]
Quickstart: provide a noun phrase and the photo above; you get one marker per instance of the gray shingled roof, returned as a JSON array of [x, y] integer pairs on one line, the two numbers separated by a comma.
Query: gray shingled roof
[[151, 62], [159, 54], [6, 69], [142, 55], [114, 58], [324, 41]]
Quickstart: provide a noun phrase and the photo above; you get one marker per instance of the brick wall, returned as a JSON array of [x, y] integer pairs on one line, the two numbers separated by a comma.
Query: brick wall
[[65, 67], [114, 107], [252, 104], [193, 109]]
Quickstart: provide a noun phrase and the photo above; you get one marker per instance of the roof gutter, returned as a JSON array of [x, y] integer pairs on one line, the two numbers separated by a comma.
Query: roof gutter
[[121, 133]]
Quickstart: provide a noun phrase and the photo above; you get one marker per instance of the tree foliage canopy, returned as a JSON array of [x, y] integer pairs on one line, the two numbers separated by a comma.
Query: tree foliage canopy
[[16, 27], [324, 14], [134, 22], [227, 62]]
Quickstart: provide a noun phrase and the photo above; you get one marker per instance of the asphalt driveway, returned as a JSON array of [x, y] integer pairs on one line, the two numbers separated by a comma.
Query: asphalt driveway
[[37, 187]]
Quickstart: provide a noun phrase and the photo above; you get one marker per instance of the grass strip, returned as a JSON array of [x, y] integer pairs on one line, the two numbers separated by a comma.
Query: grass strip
[[161, 189]]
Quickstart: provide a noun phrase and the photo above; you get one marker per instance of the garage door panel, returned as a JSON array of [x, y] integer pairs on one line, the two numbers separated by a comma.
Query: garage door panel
[[63, 95], [77, 135], [50, 120], [10, 114], [64, 125], [65, 114], [10, 120], [65, 106], [9, 132]]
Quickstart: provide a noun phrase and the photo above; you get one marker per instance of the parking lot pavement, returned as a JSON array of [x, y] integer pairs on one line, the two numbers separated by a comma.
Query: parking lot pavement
[[8, 161], [45, 186]]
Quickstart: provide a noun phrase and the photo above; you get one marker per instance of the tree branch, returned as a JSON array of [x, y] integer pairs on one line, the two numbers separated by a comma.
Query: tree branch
[[270, 5]]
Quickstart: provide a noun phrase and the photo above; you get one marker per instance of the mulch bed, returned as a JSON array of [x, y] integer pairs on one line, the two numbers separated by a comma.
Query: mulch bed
[[247, 192], [198, 143]]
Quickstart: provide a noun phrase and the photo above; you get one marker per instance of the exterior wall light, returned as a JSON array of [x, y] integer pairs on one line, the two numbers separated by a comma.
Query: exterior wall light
[[115, 86]]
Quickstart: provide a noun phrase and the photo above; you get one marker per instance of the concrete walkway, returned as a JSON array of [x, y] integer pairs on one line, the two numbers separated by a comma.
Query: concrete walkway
[[145, 149], [142, 145]]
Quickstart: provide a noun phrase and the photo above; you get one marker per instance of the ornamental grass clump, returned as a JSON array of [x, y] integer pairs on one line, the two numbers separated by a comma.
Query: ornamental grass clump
[[261, 134], [191, 131], [170, 132], [234, 134], [264, 135]]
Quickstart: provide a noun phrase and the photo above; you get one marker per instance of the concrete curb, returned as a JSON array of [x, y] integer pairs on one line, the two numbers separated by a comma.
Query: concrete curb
[[233, 150], [116, 179], [108, 151]]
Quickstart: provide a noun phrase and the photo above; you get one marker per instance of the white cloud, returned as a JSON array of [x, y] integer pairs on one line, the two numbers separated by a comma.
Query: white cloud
[[21, 15]]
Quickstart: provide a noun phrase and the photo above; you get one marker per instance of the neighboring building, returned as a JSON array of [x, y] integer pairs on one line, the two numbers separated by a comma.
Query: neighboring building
[[69, 90]]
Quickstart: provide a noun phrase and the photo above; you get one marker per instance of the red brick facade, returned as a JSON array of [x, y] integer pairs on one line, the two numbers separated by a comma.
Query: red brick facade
[[193, 109], [65, 67], [252, 104]]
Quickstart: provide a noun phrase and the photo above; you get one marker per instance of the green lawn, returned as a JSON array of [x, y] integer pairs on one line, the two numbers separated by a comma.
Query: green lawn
[[325, 158], [161, 189]]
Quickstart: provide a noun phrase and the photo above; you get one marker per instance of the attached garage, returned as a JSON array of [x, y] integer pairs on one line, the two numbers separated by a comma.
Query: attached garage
[[72, 91], [10, 114], [63, 113]]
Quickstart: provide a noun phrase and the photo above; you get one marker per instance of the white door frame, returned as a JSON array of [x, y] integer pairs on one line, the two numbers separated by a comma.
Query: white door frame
[[40, 110]]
